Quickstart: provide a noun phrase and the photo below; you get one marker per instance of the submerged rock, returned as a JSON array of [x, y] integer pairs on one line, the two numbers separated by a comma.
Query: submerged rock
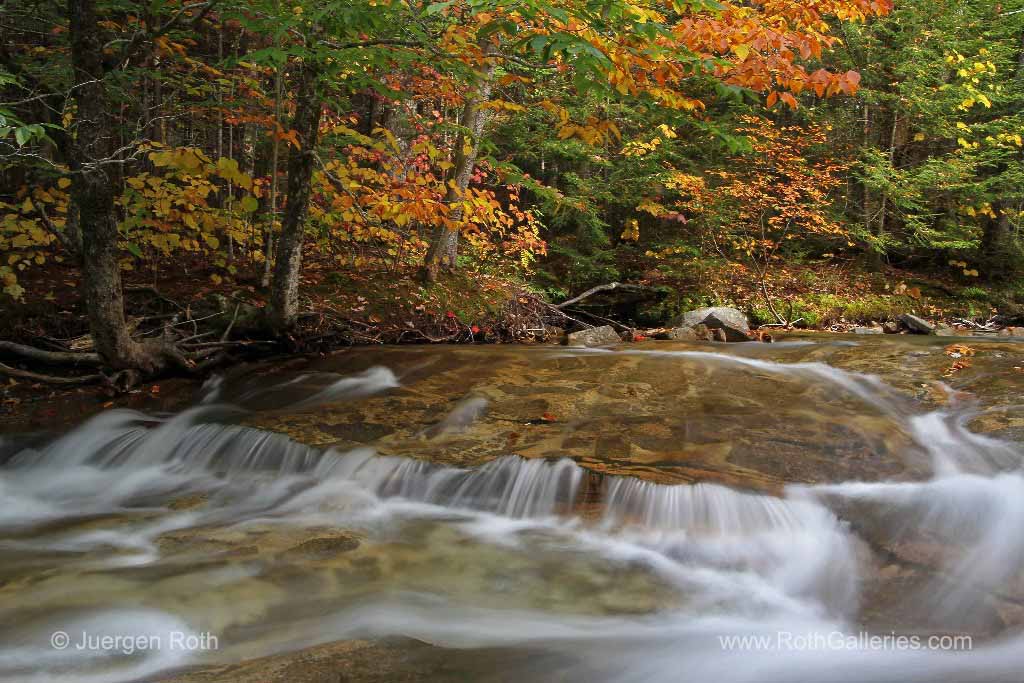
[[595, 336], [323, 547], [917, 325], [1012, 332], [731, 321]]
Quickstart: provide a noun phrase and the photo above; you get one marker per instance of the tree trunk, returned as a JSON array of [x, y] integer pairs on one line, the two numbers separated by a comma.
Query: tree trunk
[[94, 190], [285, 286], [444, 247], [996, 237], [268, 237]]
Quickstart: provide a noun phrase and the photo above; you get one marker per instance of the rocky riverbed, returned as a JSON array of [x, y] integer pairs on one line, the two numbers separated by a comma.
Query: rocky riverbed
[[495, 513]]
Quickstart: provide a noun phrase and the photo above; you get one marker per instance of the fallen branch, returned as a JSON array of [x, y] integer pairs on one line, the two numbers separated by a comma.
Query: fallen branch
[[589, 293], [234, 317], [987, 327], [54, 357], [604, 320], [224, 344], [558, 311]]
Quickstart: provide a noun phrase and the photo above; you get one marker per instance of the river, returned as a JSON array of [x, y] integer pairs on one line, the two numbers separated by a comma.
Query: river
[[823, 508]]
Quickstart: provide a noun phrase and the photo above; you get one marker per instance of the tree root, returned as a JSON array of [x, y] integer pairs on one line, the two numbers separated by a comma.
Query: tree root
[[52, 357], [8, 371]]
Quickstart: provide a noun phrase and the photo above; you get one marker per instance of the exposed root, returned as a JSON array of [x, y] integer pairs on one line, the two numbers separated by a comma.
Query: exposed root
[[52, 357], [8, 371]]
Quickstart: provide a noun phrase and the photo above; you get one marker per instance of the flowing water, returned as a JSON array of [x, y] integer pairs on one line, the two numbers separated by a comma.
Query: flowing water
[[817, 509]]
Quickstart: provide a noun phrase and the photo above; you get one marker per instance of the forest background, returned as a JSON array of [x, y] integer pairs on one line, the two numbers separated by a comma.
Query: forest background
[[327, 172]]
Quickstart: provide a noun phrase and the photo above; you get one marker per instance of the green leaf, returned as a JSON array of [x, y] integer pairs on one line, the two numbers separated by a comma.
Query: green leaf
[[23, 135], [249, 204]]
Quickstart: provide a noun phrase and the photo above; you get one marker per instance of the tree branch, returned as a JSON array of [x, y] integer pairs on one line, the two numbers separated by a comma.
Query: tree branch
[[589, 293]]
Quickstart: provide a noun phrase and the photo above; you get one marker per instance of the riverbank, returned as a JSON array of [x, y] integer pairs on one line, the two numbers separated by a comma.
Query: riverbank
[[345, 307]]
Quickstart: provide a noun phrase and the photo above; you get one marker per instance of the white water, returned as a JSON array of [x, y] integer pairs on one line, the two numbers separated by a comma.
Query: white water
[[718, 562]]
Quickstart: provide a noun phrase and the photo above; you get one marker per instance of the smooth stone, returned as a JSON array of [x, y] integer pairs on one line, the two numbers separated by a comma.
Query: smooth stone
[[595, 336], [730, 320], [867, 330], [917, 325], [695, 333]]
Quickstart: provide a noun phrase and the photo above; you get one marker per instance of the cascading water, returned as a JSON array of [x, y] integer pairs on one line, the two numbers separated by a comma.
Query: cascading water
[[198, 524]]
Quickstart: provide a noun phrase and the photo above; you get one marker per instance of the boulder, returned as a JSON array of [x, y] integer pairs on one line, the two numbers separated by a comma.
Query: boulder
[[917, 325], [731, 321], [946, 331], [695, 333], [867, 330], [891, 327], [595, 336]]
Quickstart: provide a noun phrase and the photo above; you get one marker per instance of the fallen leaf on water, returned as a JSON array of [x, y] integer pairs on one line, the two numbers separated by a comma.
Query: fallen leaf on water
[[548, 417], [959, 351]]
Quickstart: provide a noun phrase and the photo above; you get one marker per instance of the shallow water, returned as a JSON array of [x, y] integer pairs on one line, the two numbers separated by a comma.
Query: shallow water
[[511, 513]]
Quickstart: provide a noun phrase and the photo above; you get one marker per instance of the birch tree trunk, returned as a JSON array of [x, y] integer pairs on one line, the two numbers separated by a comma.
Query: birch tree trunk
[[444, 247]]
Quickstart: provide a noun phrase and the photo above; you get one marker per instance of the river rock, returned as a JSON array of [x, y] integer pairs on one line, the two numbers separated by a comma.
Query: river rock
[[917, 325], [891, 327], [324, 547], [731, 321], [696, 333], [595, 336], [946, 331], [867, 330]]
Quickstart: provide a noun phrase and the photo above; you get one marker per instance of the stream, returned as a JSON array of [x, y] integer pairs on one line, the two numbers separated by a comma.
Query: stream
[[823, 508]]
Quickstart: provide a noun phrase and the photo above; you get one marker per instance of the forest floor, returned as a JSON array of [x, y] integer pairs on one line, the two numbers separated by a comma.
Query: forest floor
[[348, 307], [836, 295]]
